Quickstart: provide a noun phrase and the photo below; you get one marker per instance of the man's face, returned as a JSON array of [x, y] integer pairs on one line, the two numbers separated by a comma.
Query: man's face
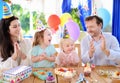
[[93, 28]]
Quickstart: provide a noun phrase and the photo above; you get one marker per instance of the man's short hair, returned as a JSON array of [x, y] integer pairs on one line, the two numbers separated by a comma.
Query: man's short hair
[[98, 19]]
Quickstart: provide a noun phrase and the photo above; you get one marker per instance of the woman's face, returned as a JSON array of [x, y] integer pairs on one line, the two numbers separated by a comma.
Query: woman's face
[[47, 37], [68, 46], [15, 28]]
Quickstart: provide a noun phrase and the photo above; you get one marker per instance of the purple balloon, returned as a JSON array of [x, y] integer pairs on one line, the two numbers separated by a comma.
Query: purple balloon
[[73, 30]]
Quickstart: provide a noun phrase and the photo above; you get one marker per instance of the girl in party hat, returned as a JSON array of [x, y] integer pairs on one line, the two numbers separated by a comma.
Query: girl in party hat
[[43, 53], [67, 56]]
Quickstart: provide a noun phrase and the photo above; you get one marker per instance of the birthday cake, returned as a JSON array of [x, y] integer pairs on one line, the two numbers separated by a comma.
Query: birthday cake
[[65, 72], [17, 74], [50, 78]]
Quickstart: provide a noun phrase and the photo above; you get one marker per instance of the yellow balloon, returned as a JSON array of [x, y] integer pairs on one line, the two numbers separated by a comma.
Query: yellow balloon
[[64, 18]]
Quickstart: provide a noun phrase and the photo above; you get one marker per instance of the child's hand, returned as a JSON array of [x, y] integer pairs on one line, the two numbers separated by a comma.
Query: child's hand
[[41, 58], [61, 58], [44, 56]]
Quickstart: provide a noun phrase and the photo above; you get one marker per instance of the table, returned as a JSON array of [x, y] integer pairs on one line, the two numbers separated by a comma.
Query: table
[[94, 78]]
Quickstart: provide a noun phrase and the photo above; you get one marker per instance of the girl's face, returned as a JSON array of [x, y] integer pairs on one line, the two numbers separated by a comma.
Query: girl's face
[[68, 46], [47, 37], [15, 28]]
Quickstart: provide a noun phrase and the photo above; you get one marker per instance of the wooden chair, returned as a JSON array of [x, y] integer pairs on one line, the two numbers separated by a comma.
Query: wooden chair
[[77, 48]]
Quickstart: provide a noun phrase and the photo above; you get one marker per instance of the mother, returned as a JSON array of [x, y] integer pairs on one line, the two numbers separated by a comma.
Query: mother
[[13, 49]]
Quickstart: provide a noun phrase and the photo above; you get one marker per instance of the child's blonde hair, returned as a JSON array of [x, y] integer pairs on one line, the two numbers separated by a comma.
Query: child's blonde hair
[[38, 37], [63, 41]]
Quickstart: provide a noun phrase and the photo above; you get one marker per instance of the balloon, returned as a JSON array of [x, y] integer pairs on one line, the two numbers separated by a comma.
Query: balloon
[[105, 15], [73, 30], [54, 21], [64, 18]]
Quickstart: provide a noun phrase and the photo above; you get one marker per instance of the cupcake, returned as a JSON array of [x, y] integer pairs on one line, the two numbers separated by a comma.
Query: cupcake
[[116, 74], [50, 78], [87, 70]]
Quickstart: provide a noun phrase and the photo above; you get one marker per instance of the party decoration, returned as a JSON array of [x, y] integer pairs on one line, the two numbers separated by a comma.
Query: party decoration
[[97, 3], [6, 11], [65, 17], [105, 15], [85, 9], [53, 21], [76, 16], [73, 30], [66, 6], [40, 26], [65, 33], [1, 8]]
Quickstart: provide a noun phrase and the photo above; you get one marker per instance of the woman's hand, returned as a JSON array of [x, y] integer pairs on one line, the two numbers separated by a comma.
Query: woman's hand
[[21, 54], [15, 54]]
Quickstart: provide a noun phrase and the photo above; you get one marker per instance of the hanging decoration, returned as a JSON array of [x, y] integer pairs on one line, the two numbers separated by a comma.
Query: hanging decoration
[[76, 16], [101, 12], [66, 6], [85, 9]]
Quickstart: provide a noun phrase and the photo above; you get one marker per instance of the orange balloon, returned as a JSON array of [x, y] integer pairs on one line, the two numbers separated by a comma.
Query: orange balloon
[[53, 21]]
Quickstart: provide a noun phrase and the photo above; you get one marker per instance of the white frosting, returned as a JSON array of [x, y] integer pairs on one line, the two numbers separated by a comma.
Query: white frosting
[[65, 73], [87, 69], [68, 74]]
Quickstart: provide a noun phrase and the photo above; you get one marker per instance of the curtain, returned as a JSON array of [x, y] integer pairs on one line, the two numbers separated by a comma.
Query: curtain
[[84, 12], [116, 19], [66, 6]]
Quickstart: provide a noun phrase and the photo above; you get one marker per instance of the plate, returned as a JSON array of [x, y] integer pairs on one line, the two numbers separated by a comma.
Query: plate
[[41, 74]]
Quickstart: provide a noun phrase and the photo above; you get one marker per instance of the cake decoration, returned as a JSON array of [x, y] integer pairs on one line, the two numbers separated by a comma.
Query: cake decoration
[[81, 79], [87, 70], [50, 78], [65, 72]]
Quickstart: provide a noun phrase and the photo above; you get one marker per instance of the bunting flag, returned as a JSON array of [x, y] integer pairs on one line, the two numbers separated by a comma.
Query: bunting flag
[[85, 9], [66, 6]]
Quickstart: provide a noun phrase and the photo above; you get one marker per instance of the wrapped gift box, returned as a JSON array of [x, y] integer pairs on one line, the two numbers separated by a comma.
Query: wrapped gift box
[[17, 74]]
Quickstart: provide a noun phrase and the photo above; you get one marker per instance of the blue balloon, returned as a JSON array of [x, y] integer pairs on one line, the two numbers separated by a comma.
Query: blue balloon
[[105, 15]]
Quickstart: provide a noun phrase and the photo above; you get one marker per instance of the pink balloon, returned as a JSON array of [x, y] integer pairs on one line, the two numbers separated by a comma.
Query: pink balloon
[[73, 30]]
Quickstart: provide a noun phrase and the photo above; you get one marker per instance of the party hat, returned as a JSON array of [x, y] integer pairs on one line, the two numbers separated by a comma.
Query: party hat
[[40, 26], [6, 11], [65, 33]]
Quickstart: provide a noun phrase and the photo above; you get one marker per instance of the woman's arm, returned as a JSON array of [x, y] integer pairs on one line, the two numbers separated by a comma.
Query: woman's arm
[[24, 52], [9, 63]]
